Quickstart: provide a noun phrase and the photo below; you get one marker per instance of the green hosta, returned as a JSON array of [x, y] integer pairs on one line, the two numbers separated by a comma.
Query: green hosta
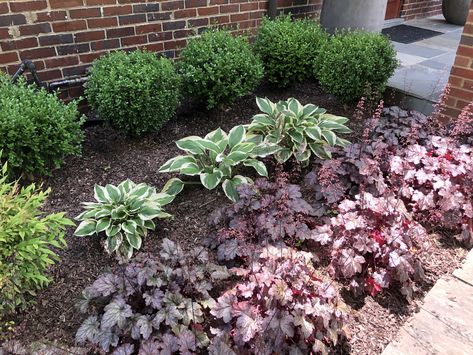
[[214, 159], [124, 213], [299, 130]]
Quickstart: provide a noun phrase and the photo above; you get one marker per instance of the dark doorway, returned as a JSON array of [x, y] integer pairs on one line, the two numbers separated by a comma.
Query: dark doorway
[[394, 9]]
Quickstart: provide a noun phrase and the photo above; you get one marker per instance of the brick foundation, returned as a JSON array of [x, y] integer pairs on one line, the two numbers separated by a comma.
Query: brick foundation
[[63, 37], [461, 78], [420, 8]]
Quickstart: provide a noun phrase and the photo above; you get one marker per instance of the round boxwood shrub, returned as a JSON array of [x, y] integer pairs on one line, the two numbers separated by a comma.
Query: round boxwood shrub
[[217, 68], [37, 130], [135, 92], [288, 48], [356, 64]]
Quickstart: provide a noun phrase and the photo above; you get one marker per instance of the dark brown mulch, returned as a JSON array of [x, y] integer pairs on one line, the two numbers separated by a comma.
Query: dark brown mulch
[[109, 157]]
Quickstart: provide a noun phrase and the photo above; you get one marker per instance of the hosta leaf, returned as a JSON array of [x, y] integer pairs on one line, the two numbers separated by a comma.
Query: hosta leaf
[[126, 186], [129, 227], [114, 193], [296, 136], [309, 110], [235, 157], [258, 166], [295, 106], [149, 212], [238, 180], [342, 142], [314, 132], [85, 228], [261, 121], [173, 187], [244, 147], [190, 145], [112, 230], [101, 194], [125, 251], [190, 169], [134, 240], [265, 105], [176, 163], [263, 150], [211, 180], [141, 191], [209, 145], [113, 243], [230, 190], [164, 199], [331, 125], [102, 224], [149, 224], [334, 118], [302, 156], [119, 212], [216, 136], [320, 151], [236, 136], [88, 214], [330, 137], [283, 155]]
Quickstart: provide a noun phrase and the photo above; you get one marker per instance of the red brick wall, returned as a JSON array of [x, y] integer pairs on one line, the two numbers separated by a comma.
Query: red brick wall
[[461, 78], [63, 37], [420, 8]]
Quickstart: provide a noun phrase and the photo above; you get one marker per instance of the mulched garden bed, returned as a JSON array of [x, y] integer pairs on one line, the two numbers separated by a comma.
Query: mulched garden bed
[[109, 157]]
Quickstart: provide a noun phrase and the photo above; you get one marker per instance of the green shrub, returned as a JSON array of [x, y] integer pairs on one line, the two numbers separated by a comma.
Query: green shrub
[[135, 92], [356, 64], [25, 239], [36, 129], [288, 48], [217, 68]]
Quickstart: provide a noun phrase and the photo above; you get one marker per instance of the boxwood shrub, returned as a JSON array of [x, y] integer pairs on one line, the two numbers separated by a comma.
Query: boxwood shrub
[[36, 129], [288, 48], [135, 92], [217, 68], [356, 64]]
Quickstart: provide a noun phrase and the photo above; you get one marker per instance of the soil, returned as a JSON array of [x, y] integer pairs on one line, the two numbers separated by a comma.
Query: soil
[[109, 157]]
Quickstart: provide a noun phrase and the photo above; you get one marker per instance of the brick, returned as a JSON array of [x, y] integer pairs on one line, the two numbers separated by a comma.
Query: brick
[[89, 36], [198, 22], [175, 44], [43, 52], [100, 2], [106, 44], [196, 3], [56, 39], [4, 33], [149, 28], [4, 8], [131, 19], [158, 16], [172, 5], [73, 48], [102, 22], [225, 9], [48, 75], [10, 20], [85, 13], [461, 93], [206, 11], [65, 4], [175, 25], [90, 57], [159, 36], [8, 57], [153, 47], [117, 10], [134, 40], [51, 16], [28, 6], [19, 44], [75, 71], [120, 32], [185, 13], [183, 34], [465, 51], [61, 62], [145, 8], [30, 30], [69, 26]]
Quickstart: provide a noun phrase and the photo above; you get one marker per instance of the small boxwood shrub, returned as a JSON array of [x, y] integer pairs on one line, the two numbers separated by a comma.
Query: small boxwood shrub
[[36, 129], [288, 48], [356, 64], [217, 68], [25, 238], [135, 92]]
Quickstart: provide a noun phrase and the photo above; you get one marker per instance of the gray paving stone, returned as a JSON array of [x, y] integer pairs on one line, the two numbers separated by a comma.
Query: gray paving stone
[[417, 50], [466, 272]]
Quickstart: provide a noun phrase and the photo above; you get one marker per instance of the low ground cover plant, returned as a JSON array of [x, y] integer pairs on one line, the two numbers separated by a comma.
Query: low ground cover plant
[[37, 130], [135, 92], [280, 306], [26, 238], [156, 304], [214, 160], [355, 64], [300, 131], [124, 213], [217, 68], [288, 48]]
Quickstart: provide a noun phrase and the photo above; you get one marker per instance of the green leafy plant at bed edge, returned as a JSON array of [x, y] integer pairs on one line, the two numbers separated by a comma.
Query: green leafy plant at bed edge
[[25, 240], [214, 159], [124, 213], [299, 130]]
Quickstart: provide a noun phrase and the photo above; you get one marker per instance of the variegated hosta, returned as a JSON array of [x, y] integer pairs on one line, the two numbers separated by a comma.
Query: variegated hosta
[[214, 159], [299, 130], [124, 213]]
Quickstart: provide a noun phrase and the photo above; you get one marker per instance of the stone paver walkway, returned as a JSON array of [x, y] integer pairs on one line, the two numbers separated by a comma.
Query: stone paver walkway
[[444, 324], [426, 64]]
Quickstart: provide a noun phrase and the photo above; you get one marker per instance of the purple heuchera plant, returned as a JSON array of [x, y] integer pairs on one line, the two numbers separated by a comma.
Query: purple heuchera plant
[[154, 305], [279, 306], [374, 243], [267, 212], [437, 184]]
